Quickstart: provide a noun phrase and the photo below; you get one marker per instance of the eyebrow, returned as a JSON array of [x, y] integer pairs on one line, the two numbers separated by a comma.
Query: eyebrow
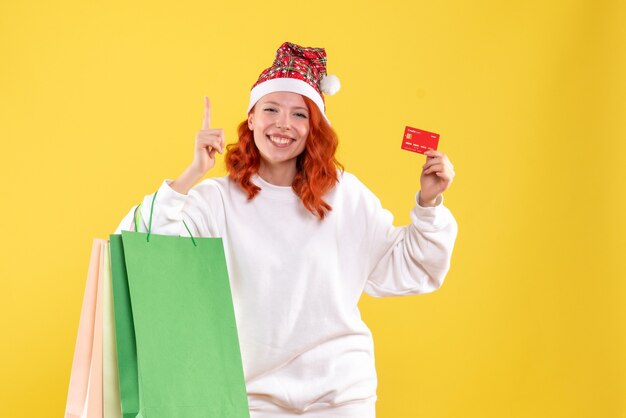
[[295, 107]]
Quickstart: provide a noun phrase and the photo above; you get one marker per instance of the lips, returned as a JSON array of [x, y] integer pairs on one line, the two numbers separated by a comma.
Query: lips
[[280, 141]]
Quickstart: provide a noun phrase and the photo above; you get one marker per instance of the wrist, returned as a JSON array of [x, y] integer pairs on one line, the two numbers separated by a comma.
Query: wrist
[[186, 180], [426, 201], [192, 173]]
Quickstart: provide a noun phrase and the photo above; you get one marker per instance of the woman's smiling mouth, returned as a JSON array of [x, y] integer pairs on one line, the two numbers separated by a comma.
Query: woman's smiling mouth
[[280, 141]]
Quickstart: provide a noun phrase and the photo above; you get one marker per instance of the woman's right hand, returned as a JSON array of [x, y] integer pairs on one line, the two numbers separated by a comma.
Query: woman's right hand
[[208, 142]]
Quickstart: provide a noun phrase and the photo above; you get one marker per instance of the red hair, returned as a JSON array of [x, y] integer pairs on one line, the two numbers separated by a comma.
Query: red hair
[[316, 166]]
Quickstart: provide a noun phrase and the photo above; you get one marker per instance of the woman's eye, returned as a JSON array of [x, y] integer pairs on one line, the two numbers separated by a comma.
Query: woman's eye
[[269, 109], [301, 115]]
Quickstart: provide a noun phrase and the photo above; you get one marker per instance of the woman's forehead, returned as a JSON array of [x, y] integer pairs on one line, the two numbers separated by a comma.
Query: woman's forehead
[[284, 98]]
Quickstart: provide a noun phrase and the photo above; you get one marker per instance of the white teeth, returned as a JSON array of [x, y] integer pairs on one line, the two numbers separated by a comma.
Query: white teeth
[[279, 140]]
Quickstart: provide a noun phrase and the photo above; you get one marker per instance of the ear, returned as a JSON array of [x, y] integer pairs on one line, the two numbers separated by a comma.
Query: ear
[[250, 121]]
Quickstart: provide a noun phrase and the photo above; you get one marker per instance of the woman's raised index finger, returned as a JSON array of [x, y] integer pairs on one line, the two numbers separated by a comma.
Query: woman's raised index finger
[[206, 121]]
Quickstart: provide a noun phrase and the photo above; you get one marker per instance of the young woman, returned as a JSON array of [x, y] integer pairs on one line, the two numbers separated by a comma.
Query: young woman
[[303, 240]]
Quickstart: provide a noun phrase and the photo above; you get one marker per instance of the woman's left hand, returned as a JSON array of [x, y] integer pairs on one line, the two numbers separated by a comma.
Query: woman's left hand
[[437, 175]]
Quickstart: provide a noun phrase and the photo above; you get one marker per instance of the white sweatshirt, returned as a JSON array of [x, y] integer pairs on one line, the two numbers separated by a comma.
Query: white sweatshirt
[[296, 282]]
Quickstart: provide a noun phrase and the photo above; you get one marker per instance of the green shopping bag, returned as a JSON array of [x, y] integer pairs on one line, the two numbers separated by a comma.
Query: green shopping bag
[[128, 374], [188, 360]]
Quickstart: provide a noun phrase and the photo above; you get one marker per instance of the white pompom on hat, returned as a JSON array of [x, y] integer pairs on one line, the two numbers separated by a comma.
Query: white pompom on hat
[[330, 84], [297, 69]]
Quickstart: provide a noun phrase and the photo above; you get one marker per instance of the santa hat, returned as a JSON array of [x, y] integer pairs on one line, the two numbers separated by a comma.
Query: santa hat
[[297, 69]]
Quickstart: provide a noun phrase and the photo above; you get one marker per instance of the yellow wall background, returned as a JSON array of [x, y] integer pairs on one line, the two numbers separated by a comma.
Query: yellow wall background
[[100, 101]]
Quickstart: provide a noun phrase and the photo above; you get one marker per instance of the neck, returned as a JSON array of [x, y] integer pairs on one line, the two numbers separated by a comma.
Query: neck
[[278, 174]]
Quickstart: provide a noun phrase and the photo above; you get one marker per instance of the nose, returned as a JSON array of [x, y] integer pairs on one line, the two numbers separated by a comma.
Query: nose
[[282, 121]]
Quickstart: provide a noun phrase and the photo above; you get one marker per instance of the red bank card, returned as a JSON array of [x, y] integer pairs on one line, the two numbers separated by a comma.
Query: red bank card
[[419, 140]]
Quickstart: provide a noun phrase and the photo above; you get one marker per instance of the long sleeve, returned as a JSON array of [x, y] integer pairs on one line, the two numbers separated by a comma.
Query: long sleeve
[[200, 210], [410, 259]]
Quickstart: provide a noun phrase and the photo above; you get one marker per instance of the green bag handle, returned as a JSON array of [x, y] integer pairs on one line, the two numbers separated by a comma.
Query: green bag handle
[[137, 219]]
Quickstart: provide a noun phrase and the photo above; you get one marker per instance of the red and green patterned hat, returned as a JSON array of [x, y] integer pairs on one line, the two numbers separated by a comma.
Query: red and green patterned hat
[[297, 69]]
